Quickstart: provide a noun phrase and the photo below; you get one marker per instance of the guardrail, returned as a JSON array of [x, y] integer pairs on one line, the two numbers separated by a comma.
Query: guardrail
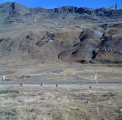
[[107, 49]]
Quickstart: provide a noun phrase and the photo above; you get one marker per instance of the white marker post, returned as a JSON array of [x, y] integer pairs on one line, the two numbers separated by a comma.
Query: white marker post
[[95, 77], [3, 78], [35, 19]]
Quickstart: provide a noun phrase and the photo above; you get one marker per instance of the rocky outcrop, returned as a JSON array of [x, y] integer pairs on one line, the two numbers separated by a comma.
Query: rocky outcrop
[[71, 9], [85, 10], [12, 13], [63, 10], [104, 12]]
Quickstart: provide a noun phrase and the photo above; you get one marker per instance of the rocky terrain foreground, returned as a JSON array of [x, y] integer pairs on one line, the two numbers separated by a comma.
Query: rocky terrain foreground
[[60, 64]]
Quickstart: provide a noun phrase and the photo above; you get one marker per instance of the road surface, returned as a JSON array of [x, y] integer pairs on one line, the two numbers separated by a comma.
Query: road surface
[[54, 85]]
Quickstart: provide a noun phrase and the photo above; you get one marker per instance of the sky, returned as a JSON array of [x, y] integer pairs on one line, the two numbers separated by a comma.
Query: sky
[[59, 3]]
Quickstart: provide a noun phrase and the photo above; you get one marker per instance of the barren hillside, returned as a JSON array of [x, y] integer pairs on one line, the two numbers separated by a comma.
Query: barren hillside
[[67, 33]]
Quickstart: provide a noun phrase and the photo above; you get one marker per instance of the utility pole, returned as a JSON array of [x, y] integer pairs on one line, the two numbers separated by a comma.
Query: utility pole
[[115, 13]]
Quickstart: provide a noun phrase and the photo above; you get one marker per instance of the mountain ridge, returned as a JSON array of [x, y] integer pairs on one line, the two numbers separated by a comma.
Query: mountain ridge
[[65, 12]]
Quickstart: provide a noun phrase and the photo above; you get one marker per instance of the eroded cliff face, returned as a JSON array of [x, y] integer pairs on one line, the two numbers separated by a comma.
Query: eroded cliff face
[[97, 45]]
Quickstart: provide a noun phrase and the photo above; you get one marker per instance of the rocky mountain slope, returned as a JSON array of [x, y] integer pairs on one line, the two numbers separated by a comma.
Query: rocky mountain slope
[[68, 33]]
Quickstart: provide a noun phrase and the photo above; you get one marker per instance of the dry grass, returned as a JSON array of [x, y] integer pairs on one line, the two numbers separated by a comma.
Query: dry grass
[[61, 103]]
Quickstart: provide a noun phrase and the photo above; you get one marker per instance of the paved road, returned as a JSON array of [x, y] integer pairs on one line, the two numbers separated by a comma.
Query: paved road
[[54, 85]]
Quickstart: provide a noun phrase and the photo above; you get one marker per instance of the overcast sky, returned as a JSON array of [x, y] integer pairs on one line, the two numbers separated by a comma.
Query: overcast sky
[[57, 3]]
